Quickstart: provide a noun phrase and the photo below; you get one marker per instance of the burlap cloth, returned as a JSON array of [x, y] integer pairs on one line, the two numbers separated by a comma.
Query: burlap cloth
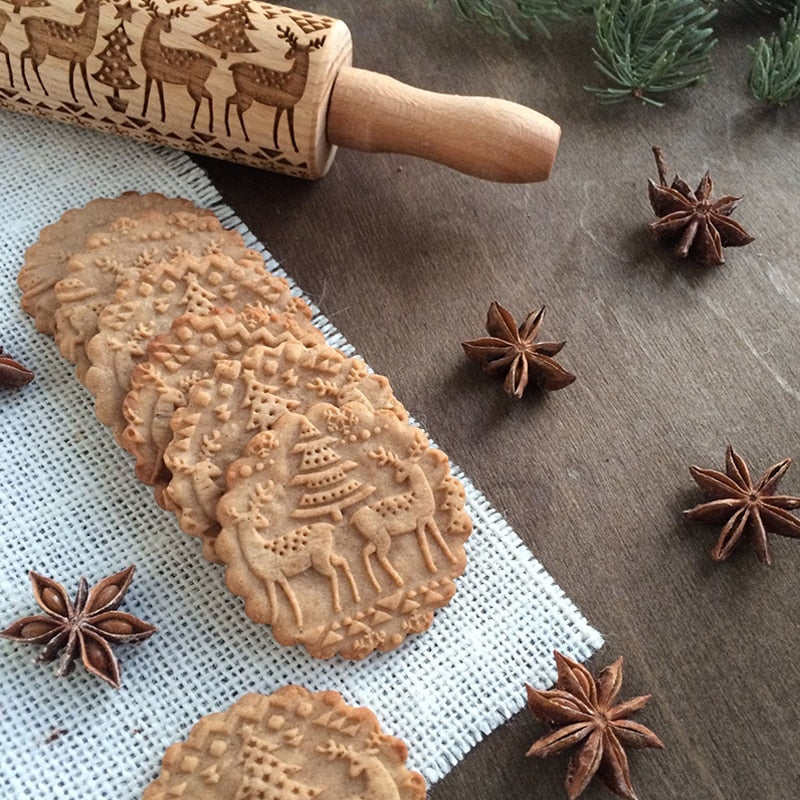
[[70, 506]]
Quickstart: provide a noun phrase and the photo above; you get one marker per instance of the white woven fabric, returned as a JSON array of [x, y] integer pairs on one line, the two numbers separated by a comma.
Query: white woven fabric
[[70, 506]]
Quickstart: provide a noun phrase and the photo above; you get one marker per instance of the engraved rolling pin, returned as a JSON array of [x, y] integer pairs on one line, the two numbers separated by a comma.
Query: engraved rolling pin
[[249, 82]]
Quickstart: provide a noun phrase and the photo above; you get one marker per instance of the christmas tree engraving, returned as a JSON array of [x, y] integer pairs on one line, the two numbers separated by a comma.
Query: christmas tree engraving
[[265, 777], [327, 488], [270, 12], [310, 23], [229, 35], [116, 60], [197, 299], [264, 404]]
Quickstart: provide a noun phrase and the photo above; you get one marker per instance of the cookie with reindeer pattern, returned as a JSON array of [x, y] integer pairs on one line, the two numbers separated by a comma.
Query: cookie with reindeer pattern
[[148, 307], [120, 252], [343, 529], [178, 359], [46, 260], [244, 397], [290, 745]]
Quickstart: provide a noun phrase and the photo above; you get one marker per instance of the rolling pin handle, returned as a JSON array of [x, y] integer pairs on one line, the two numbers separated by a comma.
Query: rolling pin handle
[[485, 137]]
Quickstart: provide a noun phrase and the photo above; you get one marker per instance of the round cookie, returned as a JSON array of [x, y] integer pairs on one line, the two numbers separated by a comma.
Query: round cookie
[[244, 397], [46, 260], [178, 359], [121, 251], [290, 745], [184, 284], [342, 529]]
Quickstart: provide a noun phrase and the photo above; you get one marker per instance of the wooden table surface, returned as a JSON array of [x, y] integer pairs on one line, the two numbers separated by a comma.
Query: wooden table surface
[[674, 361]]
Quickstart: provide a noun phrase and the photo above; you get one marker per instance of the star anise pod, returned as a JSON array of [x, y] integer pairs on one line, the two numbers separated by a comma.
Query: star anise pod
[[516, 353], [690, 221], [12, 373], [745, 507], [583, 713], [86, 627]]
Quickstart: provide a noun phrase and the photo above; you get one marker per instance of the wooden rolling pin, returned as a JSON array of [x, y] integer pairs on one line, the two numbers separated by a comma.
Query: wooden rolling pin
[[249, 82]]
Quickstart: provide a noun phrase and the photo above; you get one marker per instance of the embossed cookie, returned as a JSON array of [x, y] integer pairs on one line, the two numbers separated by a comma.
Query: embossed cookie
[[46, 260], [245, 397], [120, 252], [290, 745], [187, 354], [342, 529], [184, 284]]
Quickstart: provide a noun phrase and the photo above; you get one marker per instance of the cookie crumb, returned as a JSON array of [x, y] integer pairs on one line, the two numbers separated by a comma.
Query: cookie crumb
[[55, 734]]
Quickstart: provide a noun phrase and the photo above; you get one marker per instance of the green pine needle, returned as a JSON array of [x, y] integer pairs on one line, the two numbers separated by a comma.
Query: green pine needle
[[775, 72], [507, 17], [769, 6], [776, 6], [650, 47]]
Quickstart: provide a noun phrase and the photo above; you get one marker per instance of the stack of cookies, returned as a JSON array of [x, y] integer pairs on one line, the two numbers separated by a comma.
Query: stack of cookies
[[294, 465]]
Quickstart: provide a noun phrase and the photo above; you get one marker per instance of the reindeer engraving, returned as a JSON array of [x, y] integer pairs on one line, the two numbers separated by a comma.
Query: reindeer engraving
[[4, 19], [276, 560], [390, 516], [378, 782], [271, 87], [164, 64], [73, 43]]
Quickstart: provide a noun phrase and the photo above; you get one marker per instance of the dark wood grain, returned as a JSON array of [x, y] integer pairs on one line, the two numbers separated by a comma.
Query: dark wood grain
[[673, 363]]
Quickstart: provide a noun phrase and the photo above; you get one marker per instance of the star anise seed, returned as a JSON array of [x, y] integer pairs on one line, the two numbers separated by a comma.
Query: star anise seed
[[516, 353], [87, 626], [690, 222], [583, 712], [745, 507], [12, 373]]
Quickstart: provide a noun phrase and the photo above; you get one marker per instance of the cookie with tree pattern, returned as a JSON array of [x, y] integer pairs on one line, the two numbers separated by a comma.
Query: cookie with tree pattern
[[343, 529], [247, 396], [148, 307], [120, 252], [290, 745], [180, 358], [46, 260]]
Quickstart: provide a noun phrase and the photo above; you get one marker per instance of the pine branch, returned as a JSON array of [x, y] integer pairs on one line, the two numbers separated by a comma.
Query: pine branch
[[508, 17], [651, 47], [775, 72]]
